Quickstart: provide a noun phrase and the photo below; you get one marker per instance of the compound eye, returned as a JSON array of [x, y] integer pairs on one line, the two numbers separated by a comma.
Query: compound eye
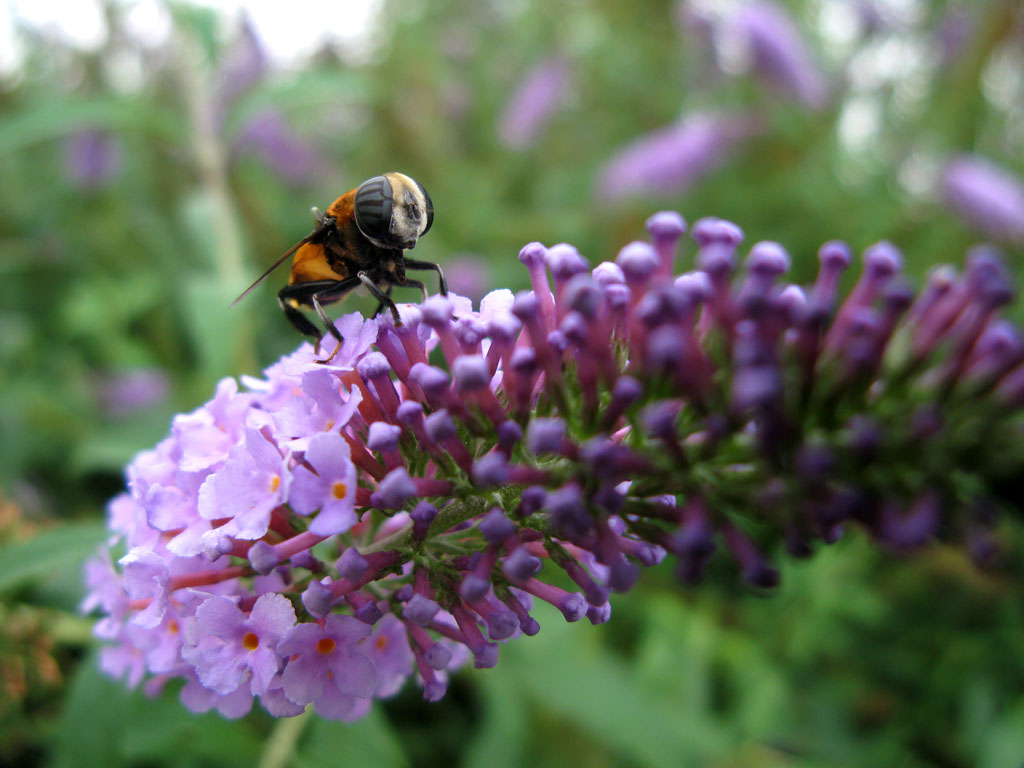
[[428, 208], [373, 205]]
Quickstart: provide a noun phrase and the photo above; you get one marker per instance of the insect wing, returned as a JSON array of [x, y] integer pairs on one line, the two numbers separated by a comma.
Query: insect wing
[[271, 268]]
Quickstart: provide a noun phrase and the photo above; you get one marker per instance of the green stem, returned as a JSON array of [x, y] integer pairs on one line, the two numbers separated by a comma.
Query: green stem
[[279, 749], [455, 513]]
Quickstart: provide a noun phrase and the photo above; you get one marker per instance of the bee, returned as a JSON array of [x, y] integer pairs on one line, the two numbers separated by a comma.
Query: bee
[[360, 241]]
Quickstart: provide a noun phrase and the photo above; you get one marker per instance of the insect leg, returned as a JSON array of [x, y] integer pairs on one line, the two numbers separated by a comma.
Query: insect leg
[[380, 306], [410, 283], [380, 295], [417, 264], [314, 293]]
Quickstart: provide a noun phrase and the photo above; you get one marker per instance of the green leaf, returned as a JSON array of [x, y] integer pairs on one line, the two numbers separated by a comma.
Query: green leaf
[[49, 554], [370, 741], [565, 670], [48, 120], [501, 738], [103, 724]]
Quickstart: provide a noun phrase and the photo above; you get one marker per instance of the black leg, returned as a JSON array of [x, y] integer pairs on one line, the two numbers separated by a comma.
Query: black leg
[[314, 293], [410, 283], [417, 264], [299, 320], [380, 295], [381, 305]]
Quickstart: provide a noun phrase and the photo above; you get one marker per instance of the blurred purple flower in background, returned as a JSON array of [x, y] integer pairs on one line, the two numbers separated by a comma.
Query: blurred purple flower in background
[[953, 32], [468, 275], [244, 65], [534, 103], [779, 54], [987, 196], [92, 158], [124, 393], [268, 135], [671, 159]]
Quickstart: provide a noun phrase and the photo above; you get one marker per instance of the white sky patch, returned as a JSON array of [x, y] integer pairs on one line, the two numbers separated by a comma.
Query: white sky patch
[[290, 30], [80, 23], [859, 123]]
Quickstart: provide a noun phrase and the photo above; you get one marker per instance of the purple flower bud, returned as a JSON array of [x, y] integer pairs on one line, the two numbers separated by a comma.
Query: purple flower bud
[[546, 435], [496, 527], [305, 559], [575, 327], [520, 565], [263, 558], [509, 433], [532, 499], [564, 261], [616, 296], [352, 565], [711, 230], [437, 311], [422, 515], [490, 470], [372, 365], [473, 588], [882, 261], [470, 373], [525, 305], [420, 610], [581, 295], [666, 350], [573, 606], [395, 490], [638, 261], [437, 657], [524, 360], [659, 418], [716, 259], [568, 512], [767, 260], [667, 226], [558, 341], [440, 426], [430, 378], [383, 436], [504, 327], [835, 255], [626, 391], [607, 273], [317, 599], [756, 386], [599, 614], [368, 613], [532, 254], [410, 411]]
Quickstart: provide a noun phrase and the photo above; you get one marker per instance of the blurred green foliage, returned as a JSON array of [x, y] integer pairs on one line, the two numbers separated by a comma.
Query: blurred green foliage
[[143, 188]]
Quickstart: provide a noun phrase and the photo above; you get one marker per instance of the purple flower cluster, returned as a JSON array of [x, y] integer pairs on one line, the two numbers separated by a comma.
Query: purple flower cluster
[[395, 510]]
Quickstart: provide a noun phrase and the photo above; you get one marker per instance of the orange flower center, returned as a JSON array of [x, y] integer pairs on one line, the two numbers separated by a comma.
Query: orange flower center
[[339, 490], [275, 483], [325, 645], [173, 627], [251, 641], [381, 642]]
